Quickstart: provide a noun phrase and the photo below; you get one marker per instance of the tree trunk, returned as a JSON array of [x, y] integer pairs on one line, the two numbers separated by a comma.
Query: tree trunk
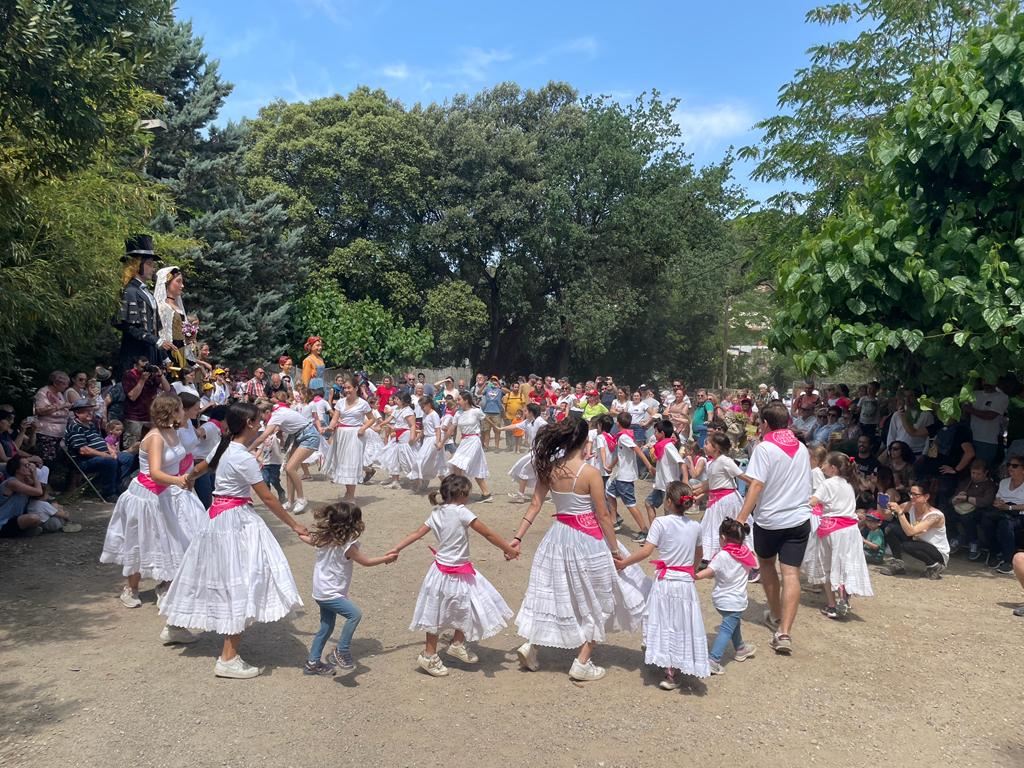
[[725, 342]]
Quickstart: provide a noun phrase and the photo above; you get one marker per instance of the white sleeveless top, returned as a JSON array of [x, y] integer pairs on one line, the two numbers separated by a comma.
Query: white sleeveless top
[[936, 536], [570, 502], [172, 456]]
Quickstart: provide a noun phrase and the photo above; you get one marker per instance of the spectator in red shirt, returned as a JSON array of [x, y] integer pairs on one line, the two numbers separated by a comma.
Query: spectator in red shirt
[[141, 383], [384, 393]]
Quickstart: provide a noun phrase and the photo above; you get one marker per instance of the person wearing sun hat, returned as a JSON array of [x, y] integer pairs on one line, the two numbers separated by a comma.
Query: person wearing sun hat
[[137, 318], [593, 406]]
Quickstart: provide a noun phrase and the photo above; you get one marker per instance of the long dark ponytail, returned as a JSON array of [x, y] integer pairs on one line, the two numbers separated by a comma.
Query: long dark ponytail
[[237, 419], [555, 442]]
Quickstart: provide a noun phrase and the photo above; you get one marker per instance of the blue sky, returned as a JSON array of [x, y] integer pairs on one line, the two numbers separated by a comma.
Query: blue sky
[[724, 60]]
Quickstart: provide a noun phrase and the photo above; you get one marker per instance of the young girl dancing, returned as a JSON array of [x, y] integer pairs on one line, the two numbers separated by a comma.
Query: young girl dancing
[[673, 626], [522, 470], [811, 565], [730, 568], [351, 419], [840, 549], [399, 458], [336, 538], [455, 595], [431, 458], [469, 458], [234, 573], [724, 499], [575, 594], [145, 535]]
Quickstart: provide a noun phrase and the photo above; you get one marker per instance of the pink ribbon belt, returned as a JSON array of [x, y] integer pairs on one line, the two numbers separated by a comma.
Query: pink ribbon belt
[[466, 568], [817, 510], [718, 494], [832, 524], [661, 569], [472, 434], [224, 503], [583, 523], [150, 484], [349, 426], [186, 464]]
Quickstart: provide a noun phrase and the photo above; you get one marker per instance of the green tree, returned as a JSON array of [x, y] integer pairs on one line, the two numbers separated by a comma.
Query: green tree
[[457, 317], [361, 334], [921, 272]]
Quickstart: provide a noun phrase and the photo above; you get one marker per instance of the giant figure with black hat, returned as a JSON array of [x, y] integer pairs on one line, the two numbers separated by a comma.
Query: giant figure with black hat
[[138, 319]]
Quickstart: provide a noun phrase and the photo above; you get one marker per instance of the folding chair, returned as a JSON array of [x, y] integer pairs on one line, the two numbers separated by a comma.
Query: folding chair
[[71, 460]]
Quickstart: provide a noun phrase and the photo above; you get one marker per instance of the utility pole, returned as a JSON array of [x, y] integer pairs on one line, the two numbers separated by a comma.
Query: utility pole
[[725, 341]]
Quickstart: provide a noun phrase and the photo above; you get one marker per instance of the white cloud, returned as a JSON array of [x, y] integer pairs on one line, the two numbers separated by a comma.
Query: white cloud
[[586, 45], [476, 61], [334, 10], [397, 71], [703, 127]]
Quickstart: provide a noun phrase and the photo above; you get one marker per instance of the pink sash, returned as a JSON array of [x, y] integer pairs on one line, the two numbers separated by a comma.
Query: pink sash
[[466, 568], [817, 510], [659, 447], [611, 440], [224, 503], [785, 440], [583, 523], [471, 434], [625, 432], [150, 484], [661, 569], [716, 495], [832, 524], [400, 432], [186, 464], [741, 554]]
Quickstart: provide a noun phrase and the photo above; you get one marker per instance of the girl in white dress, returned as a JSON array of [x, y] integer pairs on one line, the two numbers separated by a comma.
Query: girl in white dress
[[724, 498], [840, 547], [454, 595], [373, 449], [674, 636], [431, 456], [522, 471], [811, 565], [234, 573], [145, 535], [399, 456], [575, 595], [350, 421], [469, 459]]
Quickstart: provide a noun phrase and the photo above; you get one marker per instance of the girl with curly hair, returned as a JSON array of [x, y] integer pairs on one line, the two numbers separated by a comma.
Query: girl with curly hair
[[336, 538]]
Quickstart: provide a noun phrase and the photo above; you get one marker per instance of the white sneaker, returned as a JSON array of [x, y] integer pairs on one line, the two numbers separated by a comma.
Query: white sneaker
[[287, 506], [462, 653], [716, 668], [300, 506], [130, 598], [236, 669], [161, 593], [746, 652], [528, 657], [432, 665], [176, 635], [588, 671]]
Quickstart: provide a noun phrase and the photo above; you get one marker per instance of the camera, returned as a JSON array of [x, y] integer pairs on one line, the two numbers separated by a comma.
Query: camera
[[151, 369]]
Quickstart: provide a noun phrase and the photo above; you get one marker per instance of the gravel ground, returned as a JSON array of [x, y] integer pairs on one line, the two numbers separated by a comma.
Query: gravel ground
[[922, 674]]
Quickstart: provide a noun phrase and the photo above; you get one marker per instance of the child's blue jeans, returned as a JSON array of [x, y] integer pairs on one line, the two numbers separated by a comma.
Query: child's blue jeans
[[330, 610], [729, 630]]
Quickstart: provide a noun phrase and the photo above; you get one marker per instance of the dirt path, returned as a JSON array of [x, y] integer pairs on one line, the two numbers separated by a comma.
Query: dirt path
[[926, 673]]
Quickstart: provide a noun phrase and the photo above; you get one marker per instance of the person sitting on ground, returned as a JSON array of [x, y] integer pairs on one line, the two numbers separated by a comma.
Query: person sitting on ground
[[874, 537], [22, 508], [1001, 527], [92, 453], [921, 533]]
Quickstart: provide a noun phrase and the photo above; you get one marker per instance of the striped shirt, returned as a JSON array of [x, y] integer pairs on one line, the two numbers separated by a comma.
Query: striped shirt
[[81, 435]]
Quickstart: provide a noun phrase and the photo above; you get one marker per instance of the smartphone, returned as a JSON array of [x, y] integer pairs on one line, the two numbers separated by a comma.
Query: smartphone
[[883, 501]]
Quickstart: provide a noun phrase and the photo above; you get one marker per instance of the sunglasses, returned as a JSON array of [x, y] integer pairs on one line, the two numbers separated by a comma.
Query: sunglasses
[[1015, 466], [917, 495]]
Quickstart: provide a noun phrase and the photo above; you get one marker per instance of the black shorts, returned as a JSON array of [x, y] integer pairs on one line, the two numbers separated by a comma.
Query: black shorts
[[788, 544]]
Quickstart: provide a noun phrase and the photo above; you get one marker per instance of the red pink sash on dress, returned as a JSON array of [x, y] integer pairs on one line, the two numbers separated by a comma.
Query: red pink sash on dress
[[817, 510], [583, 523], [832, 524], [399, 433], [785, 440], [717, 494], [224, 503], [150, 484], [466, 568], [661, 569], [186, 464], [741, 554]]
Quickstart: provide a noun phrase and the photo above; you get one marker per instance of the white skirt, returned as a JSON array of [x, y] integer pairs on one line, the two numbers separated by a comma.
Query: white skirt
[[575, 595], [234, 574], [469, 457], [523, 469], [841, 557], [345, 458], [145, 534], [431, 460], [674, 628], [373, 448], [811, 566], [466, 602], [192, 515], [727, 506], [399, 458]]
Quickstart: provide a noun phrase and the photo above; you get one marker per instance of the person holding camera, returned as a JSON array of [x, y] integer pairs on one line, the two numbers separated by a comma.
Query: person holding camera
[[142, 383]]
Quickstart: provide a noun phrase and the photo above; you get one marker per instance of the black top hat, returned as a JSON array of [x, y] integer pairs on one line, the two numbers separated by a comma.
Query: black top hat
[[139, 247]]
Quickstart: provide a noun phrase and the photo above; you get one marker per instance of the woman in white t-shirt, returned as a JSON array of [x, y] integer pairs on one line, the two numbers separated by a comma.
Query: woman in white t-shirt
[[351, 419], [469, 458], [291, 424], [336, 538], [921, 534], [843, 568], [430, 457], [640, 412], [234, 573], [454, 595]]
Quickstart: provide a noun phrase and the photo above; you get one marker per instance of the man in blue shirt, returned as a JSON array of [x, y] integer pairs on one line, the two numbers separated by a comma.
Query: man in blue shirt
[[491, 403], [90, 450]]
